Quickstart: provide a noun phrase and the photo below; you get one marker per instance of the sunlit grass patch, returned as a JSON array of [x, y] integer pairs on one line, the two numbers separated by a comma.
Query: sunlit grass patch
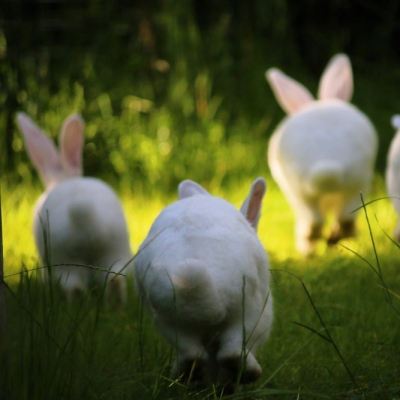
[[276, 227], [141, 213], [17, 204]]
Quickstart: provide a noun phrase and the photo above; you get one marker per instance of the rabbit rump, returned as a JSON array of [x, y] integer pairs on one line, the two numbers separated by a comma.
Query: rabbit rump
[[203, 275], [77, 220], [393, 172], [322, 154]]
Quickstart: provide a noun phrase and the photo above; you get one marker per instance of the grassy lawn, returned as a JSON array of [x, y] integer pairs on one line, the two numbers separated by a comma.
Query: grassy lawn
[[176, 90], [336, 331]]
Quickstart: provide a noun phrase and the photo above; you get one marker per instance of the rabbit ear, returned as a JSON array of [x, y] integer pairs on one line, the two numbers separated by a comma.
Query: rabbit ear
[[71, 144], [189, 188], [337, 80], [396, 121], [41, 150], [290, 94], [251, 207]]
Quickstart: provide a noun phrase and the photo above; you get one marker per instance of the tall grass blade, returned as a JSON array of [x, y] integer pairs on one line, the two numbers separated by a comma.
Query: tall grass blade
[[312, 330], [43, 329], [371, 202], [328, 335], [377, 269], [378, 264], [286, 362]]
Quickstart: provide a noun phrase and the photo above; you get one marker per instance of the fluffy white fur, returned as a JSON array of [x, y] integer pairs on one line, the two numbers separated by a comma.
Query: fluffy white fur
[[203, 275], [77, 220], [322, 154], [393, 172]]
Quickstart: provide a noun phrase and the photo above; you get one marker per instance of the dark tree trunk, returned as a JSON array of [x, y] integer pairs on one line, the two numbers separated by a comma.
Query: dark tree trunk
[[4, 387]]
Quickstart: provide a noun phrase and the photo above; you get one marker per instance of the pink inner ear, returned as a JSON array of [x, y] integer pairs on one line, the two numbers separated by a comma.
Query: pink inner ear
[[253, 209], [337, 79], [72, 141], [290, 94], [255, 201], [73, 150], [41, 150]]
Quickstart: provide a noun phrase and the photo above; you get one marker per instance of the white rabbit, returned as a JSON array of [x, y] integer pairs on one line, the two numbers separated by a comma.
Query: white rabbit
[[322, 154], [78, 220], [393, 172], [203, 275]]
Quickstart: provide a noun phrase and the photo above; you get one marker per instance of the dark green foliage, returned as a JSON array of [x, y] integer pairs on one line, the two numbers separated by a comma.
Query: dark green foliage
[[171, 89], [80, 350]]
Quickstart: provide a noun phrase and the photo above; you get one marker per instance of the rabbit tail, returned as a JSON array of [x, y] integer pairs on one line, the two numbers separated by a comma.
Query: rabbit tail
[[326, 176], [193, 293], [82, 214]]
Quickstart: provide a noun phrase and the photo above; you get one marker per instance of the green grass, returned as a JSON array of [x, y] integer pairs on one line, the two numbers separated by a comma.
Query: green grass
[[207, 117], [336, 332]]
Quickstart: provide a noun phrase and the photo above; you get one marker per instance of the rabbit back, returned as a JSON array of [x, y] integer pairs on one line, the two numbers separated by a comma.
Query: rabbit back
[[203, 275], [205, 242], [322, 154], [392, 175], [326, 135], [393, 164], [85, 224]]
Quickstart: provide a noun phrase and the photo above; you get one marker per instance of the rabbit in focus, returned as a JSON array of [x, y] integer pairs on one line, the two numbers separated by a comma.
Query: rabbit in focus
[[77, 220], [322, 154], [393, 172], [203, 275]]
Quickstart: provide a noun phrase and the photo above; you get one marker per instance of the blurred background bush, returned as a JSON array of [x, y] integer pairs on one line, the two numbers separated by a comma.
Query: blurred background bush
[[175, 89]]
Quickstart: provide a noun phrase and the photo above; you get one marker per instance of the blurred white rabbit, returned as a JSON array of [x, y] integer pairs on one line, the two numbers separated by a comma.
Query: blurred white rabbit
[[77, 220], [322, 154], [203, 275], [393, 172]]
